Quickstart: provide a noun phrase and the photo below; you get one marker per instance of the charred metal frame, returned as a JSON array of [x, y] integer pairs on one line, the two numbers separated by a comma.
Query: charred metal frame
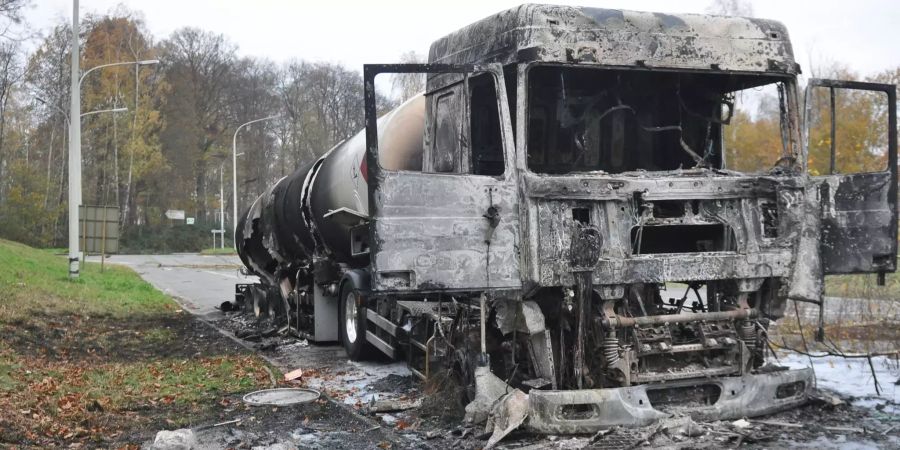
[[833, 185], [502, 188]]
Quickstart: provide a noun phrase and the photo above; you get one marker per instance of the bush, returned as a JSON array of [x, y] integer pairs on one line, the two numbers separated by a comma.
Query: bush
[[166, 238]]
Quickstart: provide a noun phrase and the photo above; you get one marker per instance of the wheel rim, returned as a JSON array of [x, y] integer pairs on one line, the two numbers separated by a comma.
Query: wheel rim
[[350, 316]]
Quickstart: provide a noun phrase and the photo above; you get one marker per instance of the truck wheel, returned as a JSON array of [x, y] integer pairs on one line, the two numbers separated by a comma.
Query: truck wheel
[[352, 323]]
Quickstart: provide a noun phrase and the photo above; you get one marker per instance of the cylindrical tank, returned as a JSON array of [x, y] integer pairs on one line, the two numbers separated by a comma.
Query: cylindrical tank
[[290, 221]]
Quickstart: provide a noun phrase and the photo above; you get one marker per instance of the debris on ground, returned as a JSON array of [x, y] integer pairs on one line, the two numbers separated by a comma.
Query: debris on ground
[[295, 374], [488, 389], [825, 397], [507, 414], [393, 404], [406, 413], [182, 439]]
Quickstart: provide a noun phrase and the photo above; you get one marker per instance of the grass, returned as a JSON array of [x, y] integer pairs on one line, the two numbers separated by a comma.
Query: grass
[[218, 251], [105, 360], [27, 274], [863, 286]]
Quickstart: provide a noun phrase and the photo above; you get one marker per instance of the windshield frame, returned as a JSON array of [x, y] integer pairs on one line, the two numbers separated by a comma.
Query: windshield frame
[[792, 160]]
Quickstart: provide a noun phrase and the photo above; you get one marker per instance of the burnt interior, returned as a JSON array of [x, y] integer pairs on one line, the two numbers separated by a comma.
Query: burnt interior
[[487, 145], [614, 121], [654, 239], [465, 129]]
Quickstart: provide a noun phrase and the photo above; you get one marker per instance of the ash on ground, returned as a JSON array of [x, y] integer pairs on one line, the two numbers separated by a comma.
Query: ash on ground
[[380, 403]]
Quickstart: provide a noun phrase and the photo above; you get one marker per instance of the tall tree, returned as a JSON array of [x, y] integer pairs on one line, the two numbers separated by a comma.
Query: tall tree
[[47, 81], [11, 72], [198, 67], [116, 143]]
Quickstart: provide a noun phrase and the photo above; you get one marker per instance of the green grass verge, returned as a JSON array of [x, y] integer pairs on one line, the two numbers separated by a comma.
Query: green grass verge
[[34, 274], [863, 286], [218, 251], [104, 360]]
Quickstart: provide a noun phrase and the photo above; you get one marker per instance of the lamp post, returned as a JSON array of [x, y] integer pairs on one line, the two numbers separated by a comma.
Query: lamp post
[[75, 136], [74, 149], [234, 196], [221, 204]]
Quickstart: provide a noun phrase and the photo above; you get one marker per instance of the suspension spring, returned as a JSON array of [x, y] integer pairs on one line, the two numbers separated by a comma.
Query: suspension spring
[[611, 350], [747, 332]]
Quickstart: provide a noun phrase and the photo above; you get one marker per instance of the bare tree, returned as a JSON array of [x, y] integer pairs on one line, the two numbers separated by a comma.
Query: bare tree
[[47, 79], [252, 95], [11, 73], [11, 15], [406, 85]]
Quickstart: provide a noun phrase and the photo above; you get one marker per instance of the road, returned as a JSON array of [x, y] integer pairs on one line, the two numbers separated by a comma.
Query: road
[[200, 283]]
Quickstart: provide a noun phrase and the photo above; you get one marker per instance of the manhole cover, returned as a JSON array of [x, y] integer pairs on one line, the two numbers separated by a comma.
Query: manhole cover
[[280, 397]]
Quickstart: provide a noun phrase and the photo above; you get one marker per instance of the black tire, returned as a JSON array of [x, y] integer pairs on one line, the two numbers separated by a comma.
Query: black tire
[[352, 322]]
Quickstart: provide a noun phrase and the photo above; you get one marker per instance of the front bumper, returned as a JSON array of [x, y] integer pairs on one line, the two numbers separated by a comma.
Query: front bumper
[[590, 410]]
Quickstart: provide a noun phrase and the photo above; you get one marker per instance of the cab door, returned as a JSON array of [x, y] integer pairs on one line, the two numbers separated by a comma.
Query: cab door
[[453, 224], [851, 134]]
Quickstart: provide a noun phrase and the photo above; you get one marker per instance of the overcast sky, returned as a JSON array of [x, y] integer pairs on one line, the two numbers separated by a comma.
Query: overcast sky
[[864, 34]]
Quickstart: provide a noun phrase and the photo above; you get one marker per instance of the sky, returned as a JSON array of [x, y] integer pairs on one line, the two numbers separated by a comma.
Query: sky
[[865, 37]]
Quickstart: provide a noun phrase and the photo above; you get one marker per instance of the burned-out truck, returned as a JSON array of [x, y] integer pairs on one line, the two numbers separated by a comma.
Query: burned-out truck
[[565, 212]]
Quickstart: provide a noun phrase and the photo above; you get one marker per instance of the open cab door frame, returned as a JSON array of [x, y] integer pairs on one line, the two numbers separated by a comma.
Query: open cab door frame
[[858, 210], [438, 230]]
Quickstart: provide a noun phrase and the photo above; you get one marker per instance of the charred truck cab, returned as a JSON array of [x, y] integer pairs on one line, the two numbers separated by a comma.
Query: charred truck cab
[[560, 216]]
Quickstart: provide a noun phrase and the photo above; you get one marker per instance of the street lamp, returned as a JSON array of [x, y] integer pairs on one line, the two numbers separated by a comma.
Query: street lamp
[[145, 62], [66, 116], [75, 136], [234, 197], [111, 110]]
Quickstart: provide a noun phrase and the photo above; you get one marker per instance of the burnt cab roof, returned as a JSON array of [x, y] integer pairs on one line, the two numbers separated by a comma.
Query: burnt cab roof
[[611, 37]]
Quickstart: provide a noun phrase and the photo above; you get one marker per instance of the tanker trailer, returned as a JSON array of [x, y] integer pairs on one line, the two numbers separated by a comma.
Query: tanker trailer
[[524, 223], [308, 225]]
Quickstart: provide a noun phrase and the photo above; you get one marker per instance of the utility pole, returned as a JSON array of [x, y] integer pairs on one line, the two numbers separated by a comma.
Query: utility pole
[[74, 147], [75, 137], [222, 202]]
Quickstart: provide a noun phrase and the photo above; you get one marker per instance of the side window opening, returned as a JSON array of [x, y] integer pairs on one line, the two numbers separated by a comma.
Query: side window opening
[[465, 133], [487, 144], [755, 136], [848, 131], [448, 136]]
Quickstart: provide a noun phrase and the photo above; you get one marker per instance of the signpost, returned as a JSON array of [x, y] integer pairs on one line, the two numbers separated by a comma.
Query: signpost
[[99, 227], [175, 214], [220, 233]]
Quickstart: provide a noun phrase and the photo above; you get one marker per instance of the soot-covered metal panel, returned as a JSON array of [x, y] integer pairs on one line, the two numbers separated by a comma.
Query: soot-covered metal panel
[[566, 34]]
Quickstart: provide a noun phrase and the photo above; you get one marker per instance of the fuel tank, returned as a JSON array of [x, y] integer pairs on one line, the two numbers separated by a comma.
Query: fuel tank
[[310, 212]]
